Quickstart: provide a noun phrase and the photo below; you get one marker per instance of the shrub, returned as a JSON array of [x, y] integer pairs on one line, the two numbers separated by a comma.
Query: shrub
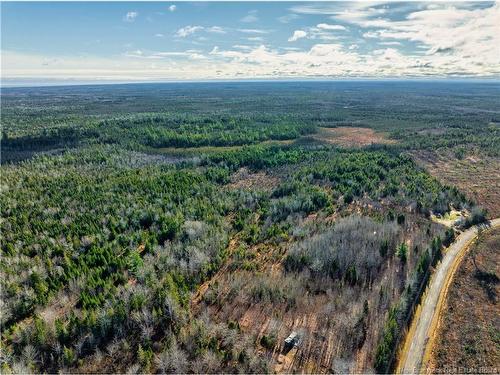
[[268, 341], [402, 252], [145, 357], [478, 216], [69, 356], [385, 350]]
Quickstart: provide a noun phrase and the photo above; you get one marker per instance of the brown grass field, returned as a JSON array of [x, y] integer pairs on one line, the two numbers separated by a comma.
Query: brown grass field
[[351, 136]]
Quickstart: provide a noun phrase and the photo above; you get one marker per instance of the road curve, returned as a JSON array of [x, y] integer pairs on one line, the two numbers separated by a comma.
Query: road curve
[[417, 343]]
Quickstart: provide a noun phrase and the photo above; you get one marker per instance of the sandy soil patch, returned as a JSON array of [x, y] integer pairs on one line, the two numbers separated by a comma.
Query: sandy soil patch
[[449, 218]]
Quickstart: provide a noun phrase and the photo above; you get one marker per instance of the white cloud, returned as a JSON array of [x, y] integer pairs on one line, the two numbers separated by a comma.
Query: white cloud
[[321, 60], [159, 35], [297, 34], [324, 33], [130, 16], [314, 9], [325, 26], [390, 43], [253, 31], [255, 38], [459, 36], [371, 35], [188, 30], [135, 53], [250, 17], [288, 18], [190, 54], [172, 8], [216, 30], [337, 7], [243, 47]]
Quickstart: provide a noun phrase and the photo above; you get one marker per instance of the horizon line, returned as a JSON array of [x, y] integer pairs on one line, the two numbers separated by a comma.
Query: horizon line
[[66, 83]]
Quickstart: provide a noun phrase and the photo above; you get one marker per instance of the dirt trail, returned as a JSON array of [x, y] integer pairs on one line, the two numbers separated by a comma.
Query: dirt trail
[[198, 296], [418, 343]]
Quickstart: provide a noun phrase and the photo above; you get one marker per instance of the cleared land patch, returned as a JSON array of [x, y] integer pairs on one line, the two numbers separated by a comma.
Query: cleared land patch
[[478, 177], [244, 179], [469, 334], [351, 136]]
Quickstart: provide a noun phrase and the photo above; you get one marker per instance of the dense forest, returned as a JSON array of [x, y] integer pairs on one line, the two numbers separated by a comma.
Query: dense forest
[[143, 225]]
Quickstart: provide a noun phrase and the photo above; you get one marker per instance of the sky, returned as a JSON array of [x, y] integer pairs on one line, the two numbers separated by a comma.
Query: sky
[[158, 41]]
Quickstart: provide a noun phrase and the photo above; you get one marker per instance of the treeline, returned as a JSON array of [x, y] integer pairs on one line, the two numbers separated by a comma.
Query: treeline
[[170, 131], [259, 157], [456, 137], [158, 131], [47, 139], [400, 315]]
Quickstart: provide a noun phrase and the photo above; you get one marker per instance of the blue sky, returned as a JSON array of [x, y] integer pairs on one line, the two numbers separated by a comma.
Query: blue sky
[[130, 41]]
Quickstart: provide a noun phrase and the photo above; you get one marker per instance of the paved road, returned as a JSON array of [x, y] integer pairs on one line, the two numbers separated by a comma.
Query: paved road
[[411, 360]]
